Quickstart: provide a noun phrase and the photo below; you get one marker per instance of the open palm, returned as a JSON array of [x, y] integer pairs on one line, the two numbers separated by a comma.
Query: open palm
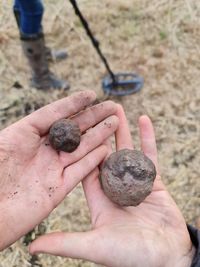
[[152, 234], [34, 178]]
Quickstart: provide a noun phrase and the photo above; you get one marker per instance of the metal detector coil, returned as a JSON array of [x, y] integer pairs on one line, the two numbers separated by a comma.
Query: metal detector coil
[[123, 84], [114, 84]]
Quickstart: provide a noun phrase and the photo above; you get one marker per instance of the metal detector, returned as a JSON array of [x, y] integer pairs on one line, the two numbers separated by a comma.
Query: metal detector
[[119, 84]]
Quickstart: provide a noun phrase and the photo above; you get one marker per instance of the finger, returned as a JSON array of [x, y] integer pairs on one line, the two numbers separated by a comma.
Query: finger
[[91, 139], [73, 245], [148, 142], [73, 174], [42, 119], [108, 143], [93, 115], [123, 135], [96, 199]]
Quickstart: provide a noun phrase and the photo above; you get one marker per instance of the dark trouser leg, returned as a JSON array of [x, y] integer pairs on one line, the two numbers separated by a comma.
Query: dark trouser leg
[[16, 11], [31, 13]]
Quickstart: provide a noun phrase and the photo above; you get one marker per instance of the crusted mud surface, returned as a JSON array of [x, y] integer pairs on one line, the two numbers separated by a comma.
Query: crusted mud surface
[[127, 177], [157, 39], [65, 135]]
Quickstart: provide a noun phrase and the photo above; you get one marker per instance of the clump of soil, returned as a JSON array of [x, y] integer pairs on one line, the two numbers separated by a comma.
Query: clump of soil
[[127, 177], [65, 135]]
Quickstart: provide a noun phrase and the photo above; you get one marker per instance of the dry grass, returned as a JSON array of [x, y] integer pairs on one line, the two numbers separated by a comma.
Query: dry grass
[[158, 39]]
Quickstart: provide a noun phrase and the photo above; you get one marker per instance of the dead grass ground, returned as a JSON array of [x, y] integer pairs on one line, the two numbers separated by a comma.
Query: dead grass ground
[[158, 39]]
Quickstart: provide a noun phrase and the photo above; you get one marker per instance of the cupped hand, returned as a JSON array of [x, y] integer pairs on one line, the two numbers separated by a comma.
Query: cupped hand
[[34, 178], [153, 234]]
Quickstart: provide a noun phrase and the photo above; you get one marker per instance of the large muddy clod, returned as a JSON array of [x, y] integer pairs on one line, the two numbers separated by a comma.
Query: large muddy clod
[[127, 177], [65, 135]]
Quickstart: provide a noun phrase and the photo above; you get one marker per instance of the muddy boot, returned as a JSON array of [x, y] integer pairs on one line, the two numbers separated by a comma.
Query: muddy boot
[[42, 78], [51, 55]]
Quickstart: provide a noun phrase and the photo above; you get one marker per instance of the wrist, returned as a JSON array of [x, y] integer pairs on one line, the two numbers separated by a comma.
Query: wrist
[[181, 251], [182, 260], [187, 259]]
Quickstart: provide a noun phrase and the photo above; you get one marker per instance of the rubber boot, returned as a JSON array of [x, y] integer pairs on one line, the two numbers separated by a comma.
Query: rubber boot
[[51, 55], [42, 78]]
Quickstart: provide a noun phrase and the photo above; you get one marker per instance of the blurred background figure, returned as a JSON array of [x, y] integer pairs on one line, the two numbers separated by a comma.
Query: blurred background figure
[[29, 16]]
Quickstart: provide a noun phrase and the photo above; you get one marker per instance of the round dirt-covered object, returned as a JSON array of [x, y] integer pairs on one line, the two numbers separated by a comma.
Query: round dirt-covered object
[[127, 177], [65, 135]]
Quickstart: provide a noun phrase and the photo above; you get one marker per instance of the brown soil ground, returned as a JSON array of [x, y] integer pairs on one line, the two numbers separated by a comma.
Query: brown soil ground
[[160, 39]]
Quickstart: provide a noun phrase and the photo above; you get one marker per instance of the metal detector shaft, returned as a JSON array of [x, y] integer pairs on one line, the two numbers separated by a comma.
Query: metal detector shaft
[[94, 41]]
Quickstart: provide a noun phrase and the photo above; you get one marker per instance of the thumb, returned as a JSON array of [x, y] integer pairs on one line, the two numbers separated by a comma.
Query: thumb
[[72, 245]]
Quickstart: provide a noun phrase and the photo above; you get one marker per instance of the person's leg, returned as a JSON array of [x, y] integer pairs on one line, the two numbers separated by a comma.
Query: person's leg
[[30, 13], [52, 55], [16, 10]]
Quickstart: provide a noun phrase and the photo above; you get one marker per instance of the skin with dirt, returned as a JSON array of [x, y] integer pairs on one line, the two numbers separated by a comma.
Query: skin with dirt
[[65, 135], [127, 177]]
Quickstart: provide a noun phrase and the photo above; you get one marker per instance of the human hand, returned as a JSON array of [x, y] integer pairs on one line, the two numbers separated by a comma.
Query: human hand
[[152, 234], [34, 178]]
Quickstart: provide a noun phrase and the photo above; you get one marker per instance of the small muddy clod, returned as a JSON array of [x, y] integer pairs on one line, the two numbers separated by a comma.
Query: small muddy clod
[[127, 177], [65, 135]]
